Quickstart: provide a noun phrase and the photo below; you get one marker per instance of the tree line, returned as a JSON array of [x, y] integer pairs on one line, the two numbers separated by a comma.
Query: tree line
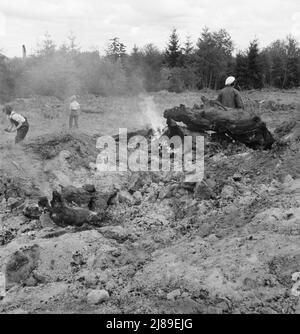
[[66, 70]]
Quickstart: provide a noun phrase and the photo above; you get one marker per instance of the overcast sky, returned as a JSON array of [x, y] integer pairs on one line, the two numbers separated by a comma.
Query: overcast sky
[[139, 22]]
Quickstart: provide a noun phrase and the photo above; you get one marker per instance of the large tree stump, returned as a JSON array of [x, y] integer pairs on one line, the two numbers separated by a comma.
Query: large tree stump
[[240, 125]]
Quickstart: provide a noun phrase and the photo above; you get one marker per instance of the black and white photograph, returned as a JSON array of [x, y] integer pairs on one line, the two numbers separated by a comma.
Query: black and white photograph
[[149, 159]]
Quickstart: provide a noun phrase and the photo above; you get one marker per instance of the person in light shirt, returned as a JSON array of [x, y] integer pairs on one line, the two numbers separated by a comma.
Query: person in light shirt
[[74, 113], [18, 123]]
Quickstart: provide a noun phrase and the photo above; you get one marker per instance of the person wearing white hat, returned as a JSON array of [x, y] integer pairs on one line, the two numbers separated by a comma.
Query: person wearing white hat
[[229, 96], [230, 81]]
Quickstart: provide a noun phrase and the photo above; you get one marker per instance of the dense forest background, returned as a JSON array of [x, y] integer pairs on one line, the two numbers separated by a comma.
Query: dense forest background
[[65, 70]]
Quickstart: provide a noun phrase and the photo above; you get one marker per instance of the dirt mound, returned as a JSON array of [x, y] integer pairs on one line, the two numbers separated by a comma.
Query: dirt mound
[[17, 188], [82, 148], [286, 128], [275, 106]]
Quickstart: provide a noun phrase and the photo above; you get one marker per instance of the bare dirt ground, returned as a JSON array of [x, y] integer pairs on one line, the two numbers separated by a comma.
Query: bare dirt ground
[[229, 246]]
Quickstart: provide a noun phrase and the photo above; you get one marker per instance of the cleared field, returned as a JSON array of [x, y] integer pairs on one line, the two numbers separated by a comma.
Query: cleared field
[[49, 115], [229, 245]]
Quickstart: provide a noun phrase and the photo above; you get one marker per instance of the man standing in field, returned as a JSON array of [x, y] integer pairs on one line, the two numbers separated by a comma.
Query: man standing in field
[[18, 123], [74, 112], [229, 96]]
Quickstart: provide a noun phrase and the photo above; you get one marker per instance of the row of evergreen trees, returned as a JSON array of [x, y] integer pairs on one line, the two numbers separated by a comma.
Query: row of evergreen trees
[[278, 65], [63, 70], [206, 64], [212, 59]]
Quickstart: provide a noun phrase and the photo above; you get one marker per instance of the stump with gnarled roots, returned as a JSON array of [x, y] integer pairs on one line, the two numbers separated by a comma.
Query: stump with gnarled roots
[[240, 125]]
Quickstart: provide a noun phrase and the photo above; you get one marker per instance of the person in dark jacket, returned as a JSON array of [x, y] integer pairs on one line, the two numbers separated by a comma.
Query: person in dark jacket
[[18, 123], [229, 96]]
